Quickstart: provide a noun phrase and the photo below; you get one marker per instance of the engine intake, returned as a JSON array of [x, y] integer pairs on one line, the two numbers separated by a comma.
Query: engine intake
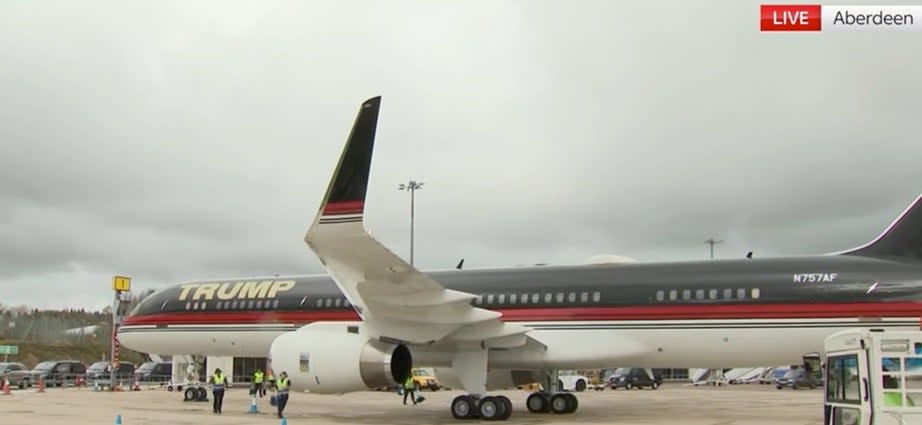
[[335, 358]]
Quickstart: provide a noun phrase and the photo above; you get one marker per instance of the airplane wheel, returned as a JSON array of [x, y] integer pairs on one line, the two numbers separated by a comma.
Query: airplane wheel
[[202, 394], [538, 403], [655, 385], [560, 403], [491, 408], [508, 406], [190, 394], [574, 402], [462, 407]]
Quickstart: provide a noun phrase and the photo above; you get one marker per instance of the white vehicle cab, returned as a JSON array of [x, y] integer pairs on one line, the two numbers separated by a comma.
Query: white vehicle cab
[[873, 377]]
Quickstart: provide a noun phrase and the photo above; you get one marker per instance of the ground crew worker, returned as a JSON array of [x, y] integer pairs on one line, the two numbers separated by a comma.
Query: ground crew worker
[[282, 398], [258, 382], [218, 381], [409, 387], [271, 379]]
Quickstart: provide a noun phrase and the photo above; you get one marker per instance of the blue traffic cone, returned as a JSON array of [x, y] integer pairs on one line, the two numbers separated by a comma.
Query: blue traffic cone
[[118, 420]]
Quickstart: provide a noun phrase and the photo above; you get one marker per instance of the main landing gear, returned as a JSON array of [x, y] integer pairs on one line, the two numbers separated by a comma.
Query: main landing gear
[[499, 408], [560, 403], [489, 408]]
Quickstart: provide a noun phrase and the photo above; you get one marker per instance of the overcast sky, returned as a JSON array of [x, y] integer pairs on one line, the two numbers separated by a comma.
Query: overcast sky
[[171, 141]]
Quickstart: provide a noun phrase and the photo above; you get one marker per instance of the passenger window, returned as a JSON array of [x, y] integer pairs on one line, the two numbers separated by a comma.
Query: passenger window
[[560, 297], [584, 297], [275, 304], [686, 294], [660, 295], [339, 302], [490, 299], [512, 298], [219, 305], [596, 296], [524, 298], [673, 295], [547, 297], [571, 297], [478, 300], [756, 293], [699, 294], [728, 293], [741, 294], [501, 299], [326, 303], [188, 306], [712, 294], [259, 304], [535, 298], [250, 304]]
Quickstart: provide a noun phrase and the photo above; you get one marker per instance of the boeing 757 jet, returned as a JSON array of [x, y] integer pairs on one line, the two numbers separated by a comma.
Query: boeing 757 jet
[[374, 315]]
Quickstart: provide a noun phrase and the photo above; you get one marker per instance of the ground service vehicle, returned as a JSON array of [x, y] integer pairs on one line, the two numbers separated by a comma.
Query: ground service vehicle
[[425, 380], [60, 373], [873, 377]]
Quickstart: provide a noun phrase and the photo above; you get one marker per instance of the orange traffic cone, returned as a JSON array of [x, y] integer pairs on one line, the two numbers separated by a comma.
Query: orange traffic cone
[[41, 384], [6, 386]]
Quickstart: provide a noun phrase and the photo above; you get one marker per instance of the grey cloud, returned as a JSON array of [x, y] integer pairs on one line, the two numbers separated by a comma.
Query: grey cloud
[[193, 140]]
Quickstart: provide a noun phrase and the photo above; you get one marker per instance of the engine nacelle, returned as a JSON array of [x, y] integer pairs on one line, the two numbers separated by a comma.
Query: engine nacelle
[[336, 358]]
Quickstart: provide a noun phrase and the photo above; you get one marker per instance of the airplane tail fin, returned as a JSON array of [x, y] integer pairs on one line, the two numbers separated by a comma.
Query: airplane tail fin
[[901, 240], [344, 201]]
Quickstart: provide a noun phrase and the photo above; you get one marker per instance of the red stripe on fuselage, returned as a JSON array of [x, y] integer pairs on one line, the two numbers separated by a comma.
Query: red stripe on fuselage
[[344, 207], [544, 314]]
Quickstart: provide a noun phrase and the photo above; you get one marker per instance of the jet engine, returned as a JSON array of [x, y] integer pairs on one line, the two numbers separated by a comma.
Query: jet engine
[[335, 358]]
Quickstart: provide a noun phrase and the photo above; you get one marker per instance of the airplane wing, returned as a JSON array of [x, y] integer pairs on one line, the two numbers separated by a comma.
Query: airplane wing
[[396, 301]]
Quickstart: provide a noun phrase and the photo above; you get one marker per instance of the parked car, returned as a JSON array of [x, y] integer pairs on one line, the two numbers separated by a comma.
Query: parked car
[[797, 378], [155, 372], [633, 378], [572, 382], [18, 374], [58, 373], [100, 371]]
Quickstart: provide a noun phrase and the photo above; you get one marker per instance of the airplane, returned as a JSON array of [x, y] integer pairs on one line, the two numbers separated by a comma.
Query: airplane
[[374, 316]]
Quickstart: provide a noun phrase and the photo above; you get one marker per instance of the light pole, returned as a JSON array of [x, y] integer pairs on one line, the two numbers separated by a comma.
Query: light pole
[[412, 186], [712, 242]]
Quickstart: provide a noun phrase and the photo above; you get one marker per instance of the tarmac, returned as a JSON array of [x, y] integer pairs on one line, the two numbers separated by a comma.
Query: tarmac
[[750, 404]]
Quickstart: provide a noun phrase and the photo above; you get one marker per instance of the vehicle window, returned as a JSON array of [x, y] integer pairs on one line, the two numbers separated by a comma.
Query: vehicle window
[[14, 367], [44, 366], [62, 368], [844, 381]]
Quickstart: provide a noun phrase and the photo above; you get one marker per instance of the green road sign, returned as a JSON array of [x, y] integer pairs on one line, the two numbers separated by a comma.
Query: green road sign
[[9, 349]]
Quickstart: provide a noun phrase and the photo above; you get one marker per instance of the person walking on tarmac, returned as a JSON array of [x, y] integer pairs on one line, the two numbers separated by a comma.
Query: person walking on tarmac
[[258, 382], [409, 388], [282, 385], [218, 381]]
